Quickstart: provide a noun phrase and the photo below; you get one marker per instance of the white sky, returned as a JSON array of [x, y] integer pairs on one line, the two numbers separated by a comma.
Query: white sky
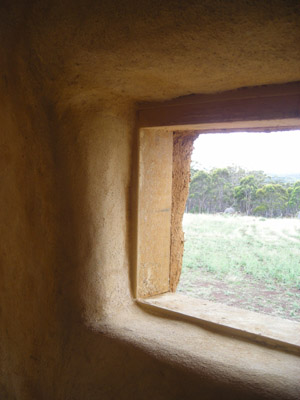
[[274, 152]]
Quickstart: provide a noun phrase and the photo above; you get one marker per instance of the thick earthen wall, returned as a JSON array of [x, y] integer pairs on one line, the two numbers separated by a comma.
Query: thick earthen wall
[[182, 151], [71, 73]]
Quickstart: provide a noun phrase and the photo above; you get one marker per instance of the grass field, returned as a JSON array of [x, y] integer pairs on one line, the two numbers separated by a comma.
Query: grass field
[[248, 262]]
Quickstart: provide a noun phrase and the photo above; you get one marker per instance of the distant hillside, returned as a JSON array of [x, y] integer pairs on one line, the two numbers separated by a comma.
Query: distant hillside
[[288, 178]]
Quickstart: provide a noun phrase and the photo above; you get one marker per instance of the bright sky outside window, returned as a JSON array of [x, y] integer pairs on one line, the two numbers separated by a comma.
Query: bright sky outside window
[[242, 225]]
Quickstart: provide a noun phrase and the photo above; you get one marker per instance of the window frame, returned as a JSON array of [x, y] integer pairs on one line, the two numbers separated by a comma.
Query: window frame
[[266, 108]]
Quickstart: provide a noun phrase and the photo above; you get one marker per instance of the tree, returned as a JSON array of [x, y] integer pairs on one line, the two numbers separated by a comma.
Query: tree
[[200, 187], [294, 198], [252, 193], [274, 198], [245, 193], [222, 190]]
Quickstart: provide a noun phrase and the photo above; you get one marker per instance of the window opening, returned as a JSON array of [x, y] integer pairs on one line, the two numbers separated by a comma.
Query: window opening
[[242, 222]]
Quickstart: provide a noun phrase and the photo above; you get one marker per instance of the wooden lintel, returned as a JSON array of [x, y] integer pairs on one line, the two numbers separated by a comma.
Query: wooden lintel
[[274, 106]]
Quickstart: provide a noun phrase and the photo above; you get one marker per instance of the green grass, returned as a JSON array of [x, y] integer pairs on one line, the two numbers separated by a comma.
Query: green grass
[[246, 262], [266, 250]]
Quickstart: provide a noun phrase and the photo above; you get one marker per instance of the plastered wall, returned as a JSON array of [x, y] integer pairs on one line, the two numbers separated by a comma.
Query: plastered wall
[[70, 74], [182, 151]]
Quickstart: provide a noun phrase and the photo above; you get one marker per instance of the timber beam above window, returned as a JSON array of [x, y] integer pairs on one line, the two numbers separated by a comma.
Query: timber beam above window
[[265, 108], [270, 107]]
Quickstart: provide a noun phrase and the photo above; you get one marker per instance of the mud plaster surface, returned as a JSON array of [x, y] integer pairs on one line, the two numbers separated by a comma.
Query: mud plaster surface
[[70, 73], [182, 151]]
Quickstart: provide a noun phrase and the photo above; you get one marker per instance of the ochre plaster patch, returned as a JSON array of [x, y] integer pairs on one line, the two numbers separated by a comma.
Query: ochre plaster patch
[[70, 75], [182, 151]]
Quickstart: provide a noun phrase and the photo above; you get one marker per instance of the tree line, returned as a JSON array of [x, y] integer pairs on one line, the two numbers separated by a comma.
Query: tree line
[[247, 192]]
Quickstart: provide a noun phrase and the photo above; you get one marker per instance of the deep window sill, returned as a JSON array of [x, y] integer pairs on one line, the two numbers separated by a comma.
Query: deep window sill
[[254, 327], [215, 356]]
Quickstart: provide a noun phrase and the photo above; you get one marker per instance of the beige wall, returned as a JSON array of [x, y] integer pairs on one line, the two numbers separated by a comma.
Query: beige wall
[[70, 75]]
